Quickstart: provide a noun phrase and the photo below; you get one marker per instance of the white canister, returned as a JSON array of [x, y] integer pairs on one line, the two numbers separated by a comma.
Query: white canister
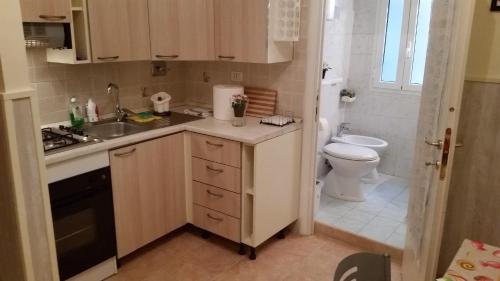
[[161, 102], [222, 100]]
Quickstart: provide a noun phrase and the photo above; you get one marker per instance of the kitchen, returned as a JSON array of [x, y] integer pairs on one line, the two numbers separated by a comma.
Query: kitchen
[[116, 185]]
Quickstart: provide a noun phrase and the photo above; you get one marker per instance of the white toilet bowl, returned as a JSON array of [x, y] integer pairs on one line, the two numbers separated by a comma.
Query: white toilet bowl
[[349, 164]]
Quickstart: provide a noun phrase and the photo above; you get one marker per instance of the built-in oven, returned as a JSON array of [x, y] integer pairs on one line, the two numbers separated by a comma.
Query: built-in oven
[[83, 219]]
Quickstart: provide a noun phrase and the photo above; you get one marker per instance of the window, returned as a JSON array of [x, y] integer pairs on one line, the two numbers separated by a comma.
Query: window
[[402, 45]]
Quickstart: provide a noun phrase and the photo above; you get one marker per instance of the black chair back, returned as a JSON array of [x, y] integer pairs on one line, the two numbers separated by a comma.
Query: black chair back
[[364, 267]]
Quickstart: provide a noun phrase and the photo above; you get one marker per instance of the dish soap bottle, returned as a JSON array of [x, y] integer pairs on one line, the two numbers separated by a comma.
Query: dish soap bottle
[[76, 114]]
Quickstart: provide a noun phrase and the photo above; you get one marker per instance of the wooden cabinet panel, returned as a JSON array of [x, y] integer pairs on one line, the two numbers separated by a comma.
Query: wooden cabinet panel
[[216, 149], [241, 30], [148, 191], [181, 29], [217, 199], [46, 10], [216, 174], [161, 178], [126, 190], [119, 30], [216, 222]]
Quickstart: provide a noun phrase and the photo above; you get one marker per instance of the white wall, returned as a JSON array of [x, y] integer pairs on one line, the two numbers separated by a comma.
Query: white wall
[[390, 115], [336, 52]]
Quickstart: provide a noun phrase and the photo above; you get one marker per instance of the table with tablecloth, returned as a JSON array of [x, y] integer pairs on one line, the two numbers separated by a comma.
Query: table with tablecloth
[[474, 261]]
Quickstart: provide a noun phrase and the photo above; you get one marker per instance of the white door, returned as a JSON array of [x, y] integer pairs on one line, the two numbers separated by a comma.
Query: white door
[[440, 107]]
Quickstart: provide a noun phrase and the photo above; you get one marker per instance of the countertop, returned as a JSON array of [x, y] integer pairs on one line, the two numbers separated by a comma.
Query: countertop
[[251, 134]]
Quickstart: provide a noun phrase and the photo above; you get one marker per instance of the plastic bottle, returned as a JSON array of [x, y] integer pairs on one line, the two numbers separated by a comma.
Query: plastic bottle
[[76, 114], [92, 111]]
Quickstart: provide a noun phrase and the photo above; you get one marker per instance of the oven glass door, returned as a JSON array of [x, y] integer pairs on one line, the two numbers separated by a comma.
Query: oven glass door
[[83, 222]]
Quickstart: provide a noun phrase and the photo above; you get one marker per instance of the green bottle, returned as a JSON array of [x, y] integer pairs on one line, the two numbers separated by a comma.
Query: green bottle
[[76, 114]]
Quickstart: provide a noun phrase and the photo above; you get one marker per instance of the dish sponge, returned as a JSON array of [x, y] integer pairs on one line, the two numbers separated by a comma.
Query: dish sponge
[[143, 117]]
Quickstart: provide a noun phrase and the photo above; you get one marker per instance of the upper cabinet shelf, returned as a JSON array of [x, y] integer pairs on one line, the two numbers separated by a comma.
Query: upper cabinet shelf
[[251, 31], [46, 10], [181, 29], [244, 33], [119, 30]]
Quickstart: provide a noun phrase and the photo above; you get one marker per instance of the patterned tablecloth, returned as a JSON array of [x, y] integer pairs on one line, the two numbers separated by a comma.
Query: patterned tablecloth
[[474, 261]]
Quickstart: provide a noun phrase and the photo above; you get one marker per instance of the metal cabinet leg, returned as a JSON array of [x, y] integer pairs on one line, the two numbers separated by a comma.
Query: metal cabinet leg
[[242, 251], [253, 255]]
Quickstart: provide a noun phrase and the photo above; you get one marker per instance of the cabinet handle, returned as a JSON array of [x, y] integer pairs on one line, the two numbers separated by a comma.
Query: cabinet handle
[[125, 153], [214, 194], [108, 58], [214, 218], [215, 170], [167, 57], [227, 57], [214, 144], [52, 18]]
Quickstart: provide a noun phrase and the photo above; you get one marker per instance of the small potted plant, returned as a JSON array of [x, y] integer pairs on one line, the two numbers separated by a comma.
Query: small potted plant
[[347, 95], [239, 104]]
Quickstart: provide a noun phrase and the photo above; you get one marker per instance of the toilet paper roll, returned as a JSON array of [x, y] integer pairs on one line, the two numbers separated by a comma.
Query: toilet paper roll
[[222, 100]]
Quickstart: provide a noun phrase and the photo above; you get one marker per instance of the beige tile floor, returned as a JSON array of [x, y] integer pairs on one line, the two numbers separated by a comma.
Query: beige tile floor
[[184, 255]]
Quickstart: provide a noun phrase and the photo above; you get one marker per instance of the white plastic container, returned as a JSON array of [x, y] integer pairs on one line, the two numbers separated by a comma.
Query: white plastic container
[[222, 100], [317, 195], [161, 102]]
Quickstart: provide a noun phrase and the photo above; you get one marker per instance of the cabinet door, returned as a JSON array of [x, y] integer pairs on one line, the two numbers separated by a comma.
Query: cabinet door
[[241, 30], [126, 191], [119, 30], [46, 10], [181, 29], [162, 184]]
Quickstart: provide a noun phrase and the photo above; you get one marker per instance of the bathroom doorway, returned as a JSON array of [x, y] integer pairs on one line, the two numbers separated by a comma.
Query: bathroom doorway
[[374, 57]]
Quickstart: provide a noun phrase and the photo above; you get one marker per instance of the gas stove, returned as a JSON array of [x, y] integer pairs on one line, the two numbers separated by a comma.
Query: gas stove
[[58, 139]]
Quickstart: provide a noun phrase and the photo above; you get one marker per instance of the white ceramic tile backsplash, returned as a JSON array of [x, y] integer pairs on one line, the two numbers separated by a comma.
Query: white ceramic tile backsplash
[[390, 115]]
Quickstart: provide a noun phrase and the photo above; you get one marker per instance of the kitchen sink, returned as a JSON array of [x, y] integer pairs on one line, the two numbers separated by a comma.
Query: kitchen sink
[[111, 130]]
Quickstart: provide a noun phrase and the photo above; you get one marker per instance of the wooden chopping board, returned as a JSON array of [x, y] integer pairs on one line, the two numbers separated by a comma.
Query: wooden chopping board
[[262, 102]]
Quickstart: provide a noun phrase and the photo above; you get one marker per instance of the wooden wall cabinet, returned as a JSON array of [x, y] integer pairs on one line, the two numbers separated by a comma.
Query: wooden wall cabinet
[[45, 10], [148, 191], [243, 33], [119, 30], [181, 29]]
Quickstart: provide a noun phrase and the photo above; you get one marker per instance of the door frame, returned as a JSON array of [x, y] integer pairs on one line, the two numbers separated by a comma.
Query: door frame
[[464, 10]]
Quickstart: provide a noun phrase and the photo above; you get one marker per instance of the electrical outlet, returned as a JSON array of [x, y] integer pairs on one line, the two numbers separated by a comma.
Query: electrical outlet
[[236, 76]]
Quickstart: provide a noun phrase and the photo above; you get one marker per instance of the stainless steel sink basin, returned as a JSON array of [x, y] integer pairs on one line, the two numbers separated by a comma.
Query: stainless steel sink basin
[[111, 130]]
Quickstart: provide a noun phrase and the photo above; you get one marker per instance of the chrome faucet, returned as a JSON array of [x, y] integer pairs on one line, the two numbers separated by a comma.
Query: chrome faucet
[[114, 90], [342, 128]]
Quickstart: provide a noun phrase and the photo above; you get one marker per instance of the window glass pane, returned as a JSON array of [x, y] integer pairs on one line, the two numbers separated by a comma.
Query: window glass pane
[[421, 40], [392, 40]]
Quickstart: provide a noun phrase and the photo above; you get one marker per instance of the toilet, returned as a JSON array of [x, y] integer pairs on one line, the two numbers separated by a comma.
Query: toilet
[[349, 164]]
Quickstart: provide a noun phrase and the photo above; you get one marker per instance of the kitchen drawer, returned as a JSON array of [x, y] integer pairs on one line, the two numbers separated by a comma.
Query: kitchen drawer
[[216, 174], [216, 222], [216, 149], [217, 199]]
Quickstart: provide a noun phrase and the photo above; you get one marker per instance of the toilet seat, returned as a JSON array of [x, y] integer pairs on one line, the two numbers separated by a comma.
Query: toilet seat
[[350, 152]]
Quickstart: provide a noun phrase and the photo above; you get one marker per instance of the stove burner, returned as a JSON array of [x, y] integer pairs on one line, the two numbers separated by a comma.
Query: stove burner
[[53, 140]]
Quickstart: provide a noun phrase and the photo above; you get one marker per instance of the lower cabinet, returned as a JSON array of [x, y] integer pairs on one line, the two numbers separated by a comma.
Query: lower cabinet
[[148, 191]]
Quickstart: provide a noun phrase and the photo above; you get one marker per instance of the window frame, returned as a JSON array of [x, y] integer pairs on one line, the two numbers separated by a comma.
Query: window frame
[[406, 48]]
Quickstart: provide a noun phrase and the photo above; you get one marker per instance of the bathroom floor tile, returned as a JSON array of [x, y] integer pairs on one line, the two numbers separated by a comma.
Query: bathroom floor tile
[[382, 217]]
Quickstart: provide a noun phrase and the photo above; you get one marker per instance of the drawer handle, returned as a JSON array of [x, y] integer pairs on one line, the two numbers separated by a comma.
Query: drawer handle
[[52, 18], [227, 57], [215, 170], [124, 154], [214, 218], [214, 194], [167, 57], [108, 58], [215, 144]]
